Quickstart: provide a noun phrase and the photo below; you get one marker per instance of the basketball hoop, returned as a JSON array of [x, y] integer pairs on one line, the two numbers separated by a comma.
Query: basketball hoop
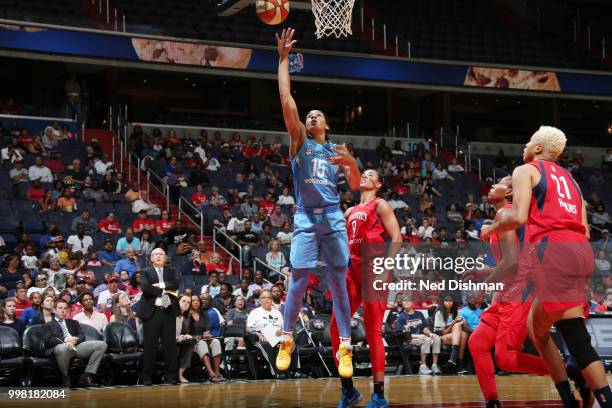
[[333, 17]]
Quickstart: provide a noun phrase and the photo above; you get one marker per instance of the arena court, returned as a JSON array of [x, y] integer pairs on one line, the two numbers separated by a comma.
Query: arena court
[[403, 392]]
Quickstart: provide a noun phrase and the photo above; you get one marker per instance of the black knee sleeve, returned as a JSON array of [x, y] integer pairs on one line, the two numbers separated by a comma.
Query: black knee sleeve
[[578, 341]]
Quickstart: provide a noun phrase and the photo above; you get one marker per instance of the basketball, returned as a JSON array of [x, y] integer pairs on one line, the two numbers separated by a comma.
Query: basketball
[[272, 12]]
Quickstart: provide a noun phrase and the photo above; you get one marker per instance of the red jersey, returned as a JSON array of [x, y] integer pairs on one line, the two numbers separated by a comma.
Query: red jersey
[[556, 202], [164, 225], [109, 227], [363, 226], [515, 285]]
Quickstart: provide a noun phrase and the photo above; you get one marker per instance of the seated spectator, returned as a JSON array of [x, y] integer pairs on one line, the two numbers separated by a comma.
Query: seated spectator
[[89, 223], [427, 165], [36, 192], [278, 218], [259, 284], [213, 288], [29, 260], [184, 339], [600, 217], [396, 203], [143, 203], [109, 225], [267, 204], [455, 167], [79, 242], [224, 300], [236, 224], [243, 290], [95, 193], [31, 144], [129, 241], [237, 316], [277, 297], [216, 199], [199, 198], [105, 298], [12, 153], [207, 322], [471, 313], [440, 173], [65, 339], [132, 194], [56, 275], [11, 273], [47, 203], [18, 174], [121, 311], [247, 239], [76, 173], [107, 256], [275, 258], [109, 185], [602, 264], [143, 223], [216, 264], [266, 319], [285, 235], [413, 322], [213, 164], [607, 304], [285, 198], [133, 290], [103, 165], [128, 263], [425, 230], [453, 214], [472, 233], [8, 318], [55, 164], [449, 326], [46, 312], [40, 284], [35, 308], [67, 203], [146, 244]]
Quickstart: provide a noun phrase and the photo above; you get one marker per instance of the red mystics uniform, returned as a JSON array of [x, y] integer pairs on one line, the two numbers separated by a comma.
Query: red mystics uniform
[[559, 250], [366, 234], [503, 326]]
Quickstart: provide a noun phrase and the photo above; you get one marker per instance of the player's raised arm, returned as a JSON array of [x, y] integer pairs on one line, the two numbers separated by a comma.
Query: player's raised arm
[[295, 127], [517, 215]]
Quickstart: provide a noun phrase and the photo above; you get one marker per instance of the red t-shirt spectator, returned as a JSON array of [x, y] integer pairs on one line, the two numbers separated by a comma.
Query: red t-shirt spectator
[[109, 227], [55, 165], [251, 151], [216, 267], [20, 307], [35, 194], [24, 140], [140, 225], [163, 226], [401, 189], [268, 207], [199, 199]]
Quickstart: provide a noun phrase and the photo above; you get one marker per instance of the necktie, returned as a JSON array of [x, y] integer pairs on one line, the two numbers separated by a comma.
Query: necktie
[[64, 328]]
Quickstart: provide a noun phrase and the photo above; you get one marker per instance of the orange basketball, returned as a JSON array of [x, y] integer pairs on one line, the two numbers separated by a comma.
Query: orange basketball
[[272, 12]]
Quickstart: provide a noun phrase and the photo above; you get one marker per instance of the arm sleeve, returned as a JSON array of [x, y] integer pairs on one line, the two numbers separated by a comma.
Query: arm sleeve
[[147, 287]]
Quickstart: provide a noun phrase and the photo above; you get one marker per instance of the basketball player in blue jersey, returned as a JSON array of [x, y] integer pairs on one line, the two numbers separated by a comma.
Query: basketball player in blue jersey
[[319, 226]]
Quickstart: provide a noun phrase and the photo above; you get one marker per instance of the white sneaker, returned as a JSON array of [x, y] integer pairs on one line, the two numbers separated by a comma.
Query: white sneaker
[[424, 370], [435, 369]]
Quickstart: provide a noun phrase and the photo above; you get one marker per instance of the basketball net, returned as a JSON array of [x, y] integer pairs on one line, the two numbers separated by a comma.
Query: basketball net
[[333, 17]]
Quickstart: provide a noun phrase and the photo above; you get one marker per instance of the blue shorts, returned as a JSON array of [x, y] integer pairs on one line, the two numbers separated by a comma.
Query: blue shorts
[[319, 234]]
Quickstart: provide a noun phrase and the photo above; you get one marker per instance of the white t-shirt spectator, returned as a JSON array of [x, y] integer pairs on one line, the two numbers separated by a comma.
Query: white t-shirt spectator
[[473, 234], [105, 298], [238, 292], [284, 237], [15, 156], [261, 318], [41, 173], [425, 232], [397, 204], [102, 168], [455, 168], [97, 320], [29, 262], [213, 164], [236, 224], [602, 265], [141, 204], [78, 244], [200, 150], [255, 286], [285, 200], [440, 174]]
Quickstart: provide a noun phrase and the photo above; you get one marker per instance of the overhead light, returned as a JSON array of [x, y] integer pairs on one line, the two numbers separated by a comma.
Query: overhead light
[[144, 81], [186, 78], [518, 102], [193, 84], [610, 129]]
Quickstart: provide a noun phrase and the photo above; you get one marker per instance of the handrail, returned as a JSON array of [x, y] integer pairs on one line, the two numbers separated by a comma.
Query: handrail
[[166, 189], [137, 160], [196, 211], [217, 230], [270, 268]]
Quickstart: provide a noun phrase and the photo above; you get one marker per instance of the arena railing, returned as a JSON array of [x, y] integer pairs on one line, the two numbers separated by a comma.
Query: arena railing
[[185, 204], [270, 269], [218, 231]]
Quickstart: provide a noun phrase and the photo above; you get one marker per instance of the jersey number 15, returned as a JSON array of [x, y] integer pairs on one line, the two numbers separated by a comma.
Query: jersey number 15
[[318, 168]]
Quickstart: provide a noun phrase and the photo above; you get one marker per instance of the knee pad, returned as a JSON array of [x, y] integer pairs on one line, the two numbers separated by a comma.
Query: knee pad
[[578, 341]]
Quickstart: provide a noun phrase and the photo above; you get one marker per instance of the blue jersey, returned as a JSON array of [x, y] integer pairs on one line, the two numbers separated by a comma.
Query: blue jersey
[[315, 179]]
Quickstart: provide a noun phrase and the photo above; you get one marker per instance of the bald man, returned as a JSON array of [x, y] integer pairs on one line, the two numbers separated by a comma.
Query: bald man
[[158, 309]]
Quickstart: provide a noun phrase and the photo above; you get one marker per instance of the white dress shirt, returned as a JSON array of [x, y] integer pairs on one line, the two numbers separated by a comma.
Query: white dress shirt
[[161, 285]]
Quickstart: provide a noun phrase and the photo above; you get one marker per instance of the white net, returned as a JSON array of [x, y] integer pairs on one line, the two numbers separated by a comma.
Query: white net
[[333, 17]]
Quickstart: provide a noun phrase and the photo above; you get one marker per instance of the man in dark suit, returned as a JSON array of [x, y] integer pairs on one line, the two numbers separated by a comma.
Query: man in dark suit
[[158, 309], [64, 338]]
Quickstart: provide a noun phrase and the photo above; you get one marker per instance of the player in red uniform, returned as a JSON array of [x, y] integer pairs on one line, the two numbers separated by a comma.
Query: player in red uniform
[[548, 200], [502, 325], [368, 223]]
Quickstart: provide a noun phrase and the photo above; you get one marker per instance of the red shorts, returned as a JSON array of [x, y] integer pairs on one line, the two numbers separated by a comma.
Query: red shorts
[[562, 266]]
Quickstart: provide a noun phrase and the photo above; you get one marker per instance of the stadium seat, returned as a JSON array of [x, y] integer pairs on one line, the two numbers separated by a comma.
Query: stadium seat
[[123, 352], [40, 364], [12, 361]]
